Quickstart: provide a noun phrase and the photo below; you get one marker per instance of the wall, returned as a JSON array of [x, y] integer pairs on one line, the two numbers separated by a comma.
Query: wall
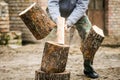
[[4, 16], [113, 16]]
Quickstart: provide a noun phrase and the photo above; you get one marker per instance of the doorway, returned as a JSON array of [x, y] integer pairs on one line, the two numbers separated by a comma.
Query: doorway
[[96, 13]]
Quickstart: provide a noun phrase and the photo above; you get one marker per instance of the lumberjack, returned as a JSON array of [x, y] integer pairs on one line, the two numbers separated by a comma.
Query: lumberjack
[[74, 12]]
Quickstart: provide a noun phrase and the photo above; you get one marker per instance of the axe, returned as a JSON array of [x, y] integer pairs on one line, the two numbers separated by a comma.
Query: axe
[[61, 31]]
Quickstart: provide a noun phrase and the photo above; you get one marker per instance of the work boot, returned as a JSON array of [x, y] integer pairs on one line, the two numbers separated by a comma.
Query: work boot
[[88, 70]]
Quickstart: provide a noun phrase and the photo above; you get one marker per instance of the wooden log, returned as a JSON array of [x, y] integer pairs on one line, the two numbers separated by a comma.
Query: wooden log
[[54, 57], [37, 21], [40, 75], [92, 42]]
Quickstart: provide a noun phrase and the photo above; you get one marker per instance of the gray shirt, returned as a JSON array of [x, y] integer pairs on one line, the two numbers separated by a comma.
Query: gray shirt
[[73, 15]]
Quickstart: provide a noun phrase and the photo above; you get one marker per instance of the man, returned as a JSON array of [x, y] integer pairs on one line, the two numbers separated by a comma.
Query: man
[[74, 11]]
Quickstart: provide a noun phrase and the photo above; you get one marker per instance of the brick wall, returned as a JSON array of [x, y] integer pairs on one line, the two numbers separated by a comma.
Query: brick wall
[[4, 16], [113, 17]]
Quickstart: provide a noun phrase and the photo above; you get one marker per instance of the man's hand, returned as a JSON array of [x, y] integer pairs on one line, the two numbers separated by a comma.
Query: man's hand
[[67, 29]]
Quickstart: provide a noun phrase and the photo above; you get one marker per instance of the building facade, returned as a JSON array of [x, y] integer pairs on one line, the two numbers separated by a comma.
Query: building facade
[[103, 13]]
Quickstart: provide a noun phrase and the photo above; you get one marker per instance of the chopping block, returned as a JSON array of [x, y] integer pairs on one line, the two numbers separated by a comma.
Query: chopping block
[[40, 75]]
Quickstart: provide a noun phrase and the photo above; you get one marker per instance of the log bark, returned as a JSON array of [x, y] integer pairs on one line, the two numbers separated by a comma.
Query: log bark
[[37, 21], [92, 42], [40, 75], [54, 57]]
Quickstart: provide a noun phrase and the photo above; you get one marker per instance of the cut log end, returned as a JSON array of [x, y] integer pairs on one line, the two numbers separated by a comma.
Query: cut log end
[[57, 44], [98, 31], [27, 9]]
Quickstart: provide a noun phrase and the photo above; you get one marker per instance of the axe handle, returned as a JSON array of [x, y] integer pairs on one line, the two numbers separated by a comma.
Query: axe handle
[[60, 30]]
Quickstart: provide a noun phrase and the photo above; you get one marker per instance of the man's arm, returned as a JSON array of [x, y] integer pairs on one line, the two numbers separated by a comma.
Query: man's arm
[[78, 12], [53, 7]]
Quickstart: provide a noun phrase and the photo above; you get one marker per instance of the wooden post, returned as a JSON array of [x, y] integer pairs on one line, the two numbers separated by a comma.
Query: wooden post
[[37, 21], [93, 41]]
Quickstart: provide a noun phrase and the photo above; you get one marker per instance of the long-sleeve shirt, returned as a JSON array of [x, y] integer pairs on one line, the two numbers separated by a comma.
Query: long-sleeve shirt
[[72, 10]]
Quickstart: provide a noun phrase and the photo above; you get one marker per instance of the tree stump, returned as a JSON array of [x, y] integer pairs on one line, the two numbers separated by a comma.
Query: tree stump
[[54, 57], [93, 41], [40, 75], [37, 21]]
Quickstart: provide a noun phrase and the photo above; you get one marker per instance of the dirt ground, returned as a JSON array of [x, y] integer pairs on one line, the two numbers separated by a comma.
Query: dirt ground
[[21, 63]]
